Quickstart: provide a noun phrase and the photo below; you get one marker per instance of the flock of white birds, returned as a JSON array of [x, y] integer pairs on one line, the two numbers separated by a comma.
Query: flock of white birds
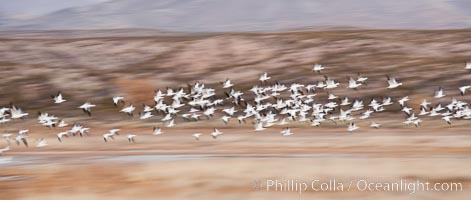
[[294, 102]]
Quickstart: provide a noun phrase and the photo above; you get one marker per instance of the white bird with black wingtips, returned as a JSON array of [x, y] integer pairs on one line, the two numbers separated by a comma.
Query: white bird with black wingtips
[[17, 113], [463, 89], [352, 126], [216, 133], [61, 135], [108, 136], [117, 100], [392, 83], [7, 137], [21, 139], [58, 99], [157, 131], [467, 65], [317, 68], [41, 143], [86, 107], [227, 84], [5, 149], [286, 132], [353, 84], [196, 136], [264, 77], [128, 110], [145, 115], [439, 93], [374, 125], [131, 138], [171, 123]]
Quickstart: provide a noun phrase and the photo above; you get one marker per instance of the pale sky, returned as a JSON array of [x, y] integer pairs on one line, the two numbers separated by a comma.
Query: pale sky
[[23, 9]]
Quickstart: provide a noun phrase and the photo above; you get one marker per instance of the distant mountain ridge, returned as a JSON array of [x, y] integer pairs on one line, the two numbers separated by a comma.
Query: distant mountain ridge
[[250, 15]]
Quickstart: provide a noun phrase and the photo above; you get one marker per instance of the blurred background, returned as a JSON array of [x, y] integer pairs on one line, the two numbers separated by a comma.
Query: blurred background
[[92, 50]]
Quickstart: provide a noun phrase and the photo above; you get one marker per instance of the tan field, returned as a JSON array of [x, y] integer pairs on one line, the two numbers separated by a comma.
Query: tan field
[[175, 166]]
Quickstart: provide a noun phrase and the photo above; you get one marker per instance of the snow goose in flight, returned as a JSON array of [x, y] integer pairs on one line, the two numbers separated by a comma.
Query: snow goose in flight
[[62, 134], [357, 105], [148, 108], [317, 68], [216, 133], [447, 119], [352, 126], [4, 150], [196, 136], [332, 96], [241, 118], [62, 123], [58, 99], [41, 143], [407, 110], [114, 131], [264, 77], [117, 100], [412, 117], [108, 136], [282, 122], [128, 110], [4, 113], [145, 115], [468, 65], [17, 113], [230, 111], [423, 111], [403, 101], [209, 112], [366, 114], [361, 79], [374, 125], [195, 116], [21, 139], [227, 84], [83, 131], [86, 107], [392, 83], [321, 85], [438, 108], [167, 117], [23, 131], [417, 122], [425, 104], [4, 120], [310, 88], [330, 83], [434, 113], [131, 138], [439, 93], [463, 89], [157, 131], [259, 127], [171, 123], [387, 101], [286, 132], [345, 102], [7, 137], [225, 119], [75, 129], [353, 84], [159, 95]]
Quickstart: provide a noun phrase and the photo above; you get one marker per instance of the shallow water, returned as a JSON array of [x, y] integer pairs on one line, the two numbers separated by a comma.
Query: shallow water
[[61, 158]]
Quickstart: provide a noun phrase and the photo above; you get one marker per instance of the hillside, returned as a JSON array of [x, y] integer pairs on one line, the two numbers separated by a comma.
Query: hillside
[[100, 66]]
